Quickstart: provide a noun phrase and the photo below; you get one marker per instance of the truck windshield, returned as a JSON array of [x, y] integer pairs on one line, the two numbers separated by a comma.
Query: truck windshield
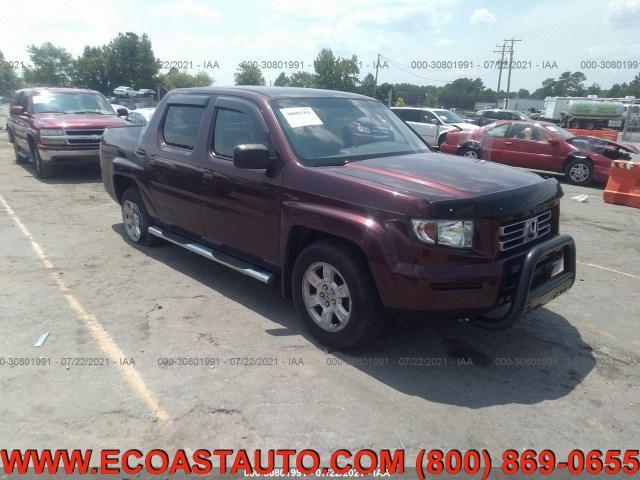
[[71, 102], [334, 131]]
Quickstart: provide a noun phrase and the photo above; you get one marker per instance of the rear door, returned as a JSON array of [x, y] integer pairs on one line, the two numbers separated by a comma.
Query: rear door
[[172, 166], [420, 123], [241, 207]]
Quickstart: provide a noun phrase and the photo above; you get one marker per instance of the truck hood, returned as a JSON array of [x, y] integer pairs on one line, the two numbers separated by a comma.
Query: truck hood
[[448, 183], [76, 120]]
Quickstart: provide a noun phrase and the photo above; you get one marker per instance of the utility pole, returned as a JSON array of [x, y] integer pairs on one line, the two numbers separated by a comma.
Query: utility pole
[[502, 48], [375, 83], [513, 40]]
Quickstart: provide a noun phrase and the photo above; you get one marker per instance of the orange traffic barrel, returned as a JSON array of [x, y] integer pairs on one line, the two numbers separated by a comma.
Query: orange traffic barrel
[[623, 187], [605, 134]]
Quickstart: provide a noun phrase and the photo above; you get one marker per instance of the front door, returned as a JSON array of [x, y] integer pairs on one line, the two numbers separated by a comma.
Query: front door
[[241, 207]]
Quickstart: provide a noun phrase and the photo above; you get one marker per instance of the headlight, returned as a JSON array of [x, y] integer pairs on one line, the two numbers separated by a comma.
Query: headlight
[[451, 233], [50, 132]]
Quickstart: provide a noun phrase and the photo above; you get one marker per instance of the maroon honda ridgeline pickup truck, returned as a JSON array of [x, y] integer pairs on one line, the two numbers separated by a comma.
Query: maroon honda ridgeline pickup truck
[[332, 195], [50, 126]]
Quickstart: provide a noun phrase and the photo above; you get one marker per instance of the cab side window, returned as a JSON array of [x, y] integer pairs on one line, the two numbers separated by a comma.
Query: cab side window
[[233, 128], [181, 125]]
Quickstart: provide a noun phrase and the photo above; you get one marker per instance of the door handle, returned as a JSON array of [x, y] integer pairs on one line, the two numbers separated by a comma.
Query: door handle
[[208, 178], [508, 143], [141, 152]]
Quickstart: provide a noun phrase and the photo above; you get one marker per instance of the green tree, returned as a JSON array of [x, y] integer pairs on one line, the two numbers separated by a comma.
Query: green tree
[[9, 81], [523, 93], [130, 61], [302, 79], [51, 66], [175, 78], [336, 73], [568, 84], [91, 69], [248, 75], [281, 81], [368, 85]]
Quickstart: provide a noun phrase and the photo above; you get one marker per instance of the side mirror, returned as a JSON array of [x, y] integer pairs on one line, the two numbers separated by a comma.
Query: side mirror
[[554, 141], [16, 110], [122, 112], [253, 156], [435, 121]]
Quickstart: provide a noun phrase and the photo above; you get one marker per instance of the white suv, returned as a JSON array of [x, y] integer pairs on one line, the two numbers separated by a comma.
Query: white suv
[[432, 124]]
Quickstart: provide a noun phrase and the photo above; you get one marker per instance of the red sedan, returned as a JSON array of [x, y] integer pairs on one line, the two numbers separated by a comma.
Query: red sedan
[[540, 146]]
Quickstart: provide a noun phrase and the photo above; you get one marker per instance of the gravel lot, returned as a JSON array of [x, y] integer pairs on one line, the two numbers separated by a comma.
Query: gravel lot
[[566, 377]]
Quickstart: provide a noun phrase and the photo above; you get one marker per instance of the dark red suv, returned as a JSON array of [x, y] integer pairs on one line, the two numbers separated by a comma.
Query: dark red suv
[[50, 126]]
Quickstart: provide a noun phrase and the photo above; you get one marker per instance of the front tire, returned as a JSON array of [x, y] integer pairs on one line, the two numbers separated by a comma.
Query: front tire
[[470, 152], [579, 171], [335, 296], [135, 219], [42, 169]]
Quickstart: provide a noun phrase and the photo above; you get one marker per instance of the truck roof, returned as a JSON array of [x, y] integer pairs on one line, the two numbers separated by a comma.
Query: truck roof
[[57, 90], [272, 93]]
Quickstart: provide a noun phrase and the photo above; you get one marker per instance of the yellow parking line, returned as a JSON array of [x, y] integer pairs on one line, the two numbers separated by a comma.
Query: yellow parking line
[[99, 334], [607, 269]]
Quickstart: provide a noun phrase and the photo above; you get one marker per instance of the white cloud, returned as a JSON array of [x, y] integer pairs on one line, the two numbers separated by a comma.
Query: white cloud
[[623, 13], [482, 16]]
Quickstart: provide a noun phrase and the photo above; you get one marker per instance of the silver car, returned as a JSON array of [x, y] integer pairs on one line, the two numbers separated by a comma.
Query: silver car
[[432, 124]]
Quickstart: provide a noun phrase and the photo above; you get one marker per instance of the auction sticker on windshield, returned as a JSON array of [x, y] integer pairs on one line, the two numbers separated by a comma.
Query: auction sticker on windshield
[[300, 117], [41, 99]]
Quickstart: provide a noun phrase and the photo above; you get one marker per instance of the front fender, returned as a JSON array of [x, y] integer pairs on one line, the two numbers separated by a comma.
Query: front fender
[[374, 236]]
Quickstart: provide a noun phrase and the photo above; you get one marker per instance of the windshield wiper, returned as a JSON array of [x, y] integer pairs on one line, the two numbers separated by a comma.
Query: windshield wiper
[[53, 111]]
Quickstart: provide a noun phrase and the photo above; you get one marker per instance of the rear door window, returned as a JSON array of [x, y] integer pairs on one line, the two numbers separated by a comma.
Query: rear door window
[[181, 126]]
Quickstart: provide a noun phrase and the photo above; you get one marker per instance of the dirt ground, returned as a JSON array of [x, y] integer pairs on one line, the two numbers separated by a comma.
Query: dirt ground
[[566, 377]]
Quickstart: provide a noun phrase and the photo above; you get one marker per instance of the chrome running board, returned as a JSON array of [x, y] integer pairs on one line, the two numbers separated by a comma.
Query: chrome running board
[[219, 257]]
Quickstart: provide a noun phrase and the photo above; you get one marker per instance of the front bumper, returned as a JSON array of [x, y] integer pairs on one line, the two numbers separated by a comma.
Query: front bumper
[[533, 292], [495, 293], [55, 156]]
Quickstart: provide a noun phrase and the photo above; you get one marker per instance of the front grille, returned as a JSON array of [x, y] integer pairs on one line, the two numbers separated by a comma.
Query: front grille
[[82, 141], [77, 131], [84, 136], [520, 232]]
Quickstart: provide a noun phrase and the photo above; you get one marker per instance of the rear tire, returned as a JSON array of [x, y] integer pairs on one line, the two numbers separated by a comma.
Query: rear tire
[[42, 169], [335, 296], [16, 151], [136, 220], [579, 171]]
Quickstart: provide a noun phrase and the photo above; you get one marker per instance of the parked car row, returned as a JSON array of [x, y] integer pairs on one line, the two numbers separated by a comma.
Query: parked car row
[[129, 92]]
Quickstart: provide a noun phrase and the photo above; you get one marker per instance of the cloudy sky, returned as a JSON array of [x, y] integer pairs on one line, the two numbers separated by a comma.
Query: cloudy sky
[[403, 31]]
